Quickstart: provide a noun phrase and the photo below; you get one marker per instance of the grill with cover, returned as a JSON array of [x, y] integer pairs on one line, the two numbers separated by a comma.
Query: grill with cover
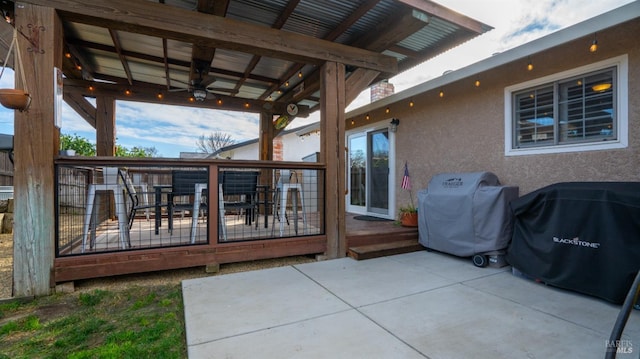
[[581, 236], [467, 215]]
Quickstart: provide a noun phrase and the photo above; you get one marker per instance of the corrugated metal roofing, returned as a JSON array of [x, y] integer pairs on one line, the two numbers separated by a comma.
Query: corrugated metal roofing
[[148, 59]]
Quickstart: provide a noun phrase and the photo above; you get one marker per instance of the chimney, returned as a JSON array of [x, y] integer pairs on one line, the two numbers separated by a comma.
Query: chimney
[[381, 90]]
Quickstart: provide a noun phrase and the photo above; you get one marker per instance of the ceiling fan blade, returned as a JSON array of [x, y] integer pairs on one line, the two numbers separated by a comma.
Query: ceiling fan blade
[[180, 81], [177, 90], [221, 89], [207, 80]]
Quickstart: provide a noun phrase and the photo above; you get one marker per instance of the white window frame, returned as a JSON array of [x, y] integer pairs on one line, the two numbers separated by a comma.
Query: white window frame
[[622, 117], [392, 167]]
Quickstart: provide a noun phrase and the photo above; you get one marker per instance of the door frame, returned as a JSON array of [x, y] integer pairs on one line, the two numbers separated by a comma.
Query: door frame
[[365, 130]]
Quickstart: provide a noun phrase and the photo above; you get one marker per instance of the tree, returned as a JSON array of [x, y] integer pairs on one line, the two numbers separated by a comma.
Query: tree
[[214, 142], [81, 145], [136, 151]]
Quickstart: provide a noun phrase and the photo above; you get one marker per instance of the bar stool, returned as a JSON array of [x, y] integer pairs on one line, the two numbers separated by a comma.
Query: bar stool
[[112, 183], [284, 186]]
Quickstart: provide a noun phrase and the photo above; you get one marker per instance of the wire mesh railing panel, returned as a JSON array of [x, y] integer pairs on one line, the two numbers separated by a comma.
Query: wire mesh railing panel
[[103, 209], [106, 209], [266, 203]]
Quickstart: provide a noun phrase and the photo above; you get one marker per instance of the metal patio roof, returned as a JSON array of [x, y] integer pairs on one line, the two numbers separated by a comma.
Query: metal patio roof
[[105, 53]]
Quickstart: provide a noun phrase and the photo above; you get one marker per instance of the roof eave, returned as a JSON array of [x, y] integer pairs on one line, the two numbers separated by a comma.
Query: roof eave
[[598, 23]]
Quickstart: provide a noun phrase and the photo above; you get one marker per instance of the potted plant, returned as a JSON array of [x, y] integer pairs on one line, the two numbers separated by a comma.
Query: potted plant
[[409, 215]]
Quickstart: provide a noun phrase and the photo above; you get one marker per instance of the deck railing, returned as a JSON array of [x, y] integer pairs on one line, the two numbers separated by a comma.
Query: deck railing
[[120, 205]]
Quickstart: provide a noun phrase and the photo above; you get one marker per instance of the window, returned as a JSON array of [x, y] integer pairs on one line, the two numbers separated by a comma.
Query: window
[[578, 110]]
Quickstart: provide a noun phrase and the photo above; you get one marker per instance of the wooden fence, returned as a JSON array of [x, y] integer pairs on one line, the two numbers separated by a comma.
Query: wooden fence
[[6, 170]]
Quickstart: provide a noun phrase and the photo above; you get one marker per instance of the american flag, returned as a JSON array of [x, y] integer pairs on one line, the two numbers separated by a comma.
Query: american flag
[[406, 181]]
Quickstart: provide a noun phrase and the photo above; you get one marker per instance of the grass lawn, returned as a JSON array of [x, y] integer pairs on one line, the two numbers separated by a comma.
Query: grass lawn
[[137, 322]]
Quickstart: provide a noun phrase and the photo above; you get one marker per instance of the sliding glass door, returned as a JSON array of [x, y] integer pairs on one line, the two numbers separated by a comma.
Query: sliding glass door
[[369, 172]]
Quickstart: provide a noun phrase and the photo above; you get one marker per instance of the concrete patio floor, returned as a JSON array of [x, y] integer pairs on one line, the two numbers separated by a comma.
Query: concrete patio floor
[[416, 305]]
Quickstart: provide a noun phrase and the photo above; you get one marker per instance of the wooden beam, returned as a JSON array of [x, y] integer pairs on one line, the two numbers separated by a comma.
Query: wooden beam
[[202, 29], [332, 152], [204, 54], [449, 15], [265, 141], [82, 107], [278, 24], [105, 126], [404, 51], [164, 60], [385, 35], [339, 30], [35, 146], [147, 260], [357, 82], [392, 30], [148, 94], [166, 63], [123, 60]]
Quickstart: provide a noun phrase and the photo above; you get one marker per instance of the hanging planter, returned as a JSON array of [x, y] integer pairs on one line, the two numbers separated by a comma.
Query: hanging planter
[[15, 99]]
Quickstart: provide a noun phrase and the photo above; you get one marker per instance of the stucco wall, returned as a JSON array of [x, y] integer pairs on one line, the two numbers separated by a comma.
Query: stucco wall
[[464, 130], [296, 148]]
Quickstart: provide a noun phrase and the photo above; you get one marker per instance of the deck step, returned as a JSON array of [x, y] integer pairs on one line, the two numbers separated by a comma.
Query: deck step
[[384, 249]]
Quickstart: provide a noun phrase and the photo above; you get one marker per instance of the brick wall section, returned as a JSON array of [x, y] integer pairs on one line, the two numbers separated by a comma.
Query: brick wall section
[[278, 149], [381, 90]]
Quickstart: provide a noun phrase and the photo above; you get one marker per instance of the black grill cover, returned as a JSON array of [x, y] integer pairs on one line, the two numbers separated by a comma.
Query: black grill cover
[[582, 236]]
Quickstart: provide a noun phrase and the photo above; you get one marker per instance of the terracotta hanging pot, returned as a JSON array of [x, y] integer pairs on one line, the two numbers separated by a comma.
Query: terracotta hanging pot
[[15, 99]]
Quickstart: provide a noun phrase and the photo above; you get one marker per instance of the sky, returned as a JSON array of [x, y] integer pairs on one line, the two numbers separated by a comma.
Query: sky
[[174, 129]]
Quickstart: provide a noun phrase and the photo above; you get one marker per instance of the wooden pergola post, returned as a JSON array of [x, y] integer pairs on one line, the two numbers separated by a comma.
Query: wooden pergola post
[[332, 152], [36, 144], [105, 126], [265, 141]]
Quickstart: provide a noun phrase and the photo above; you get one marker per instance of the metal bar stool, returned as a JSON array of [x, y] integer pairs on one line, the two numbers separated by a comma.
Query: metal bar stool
[[284, 187]]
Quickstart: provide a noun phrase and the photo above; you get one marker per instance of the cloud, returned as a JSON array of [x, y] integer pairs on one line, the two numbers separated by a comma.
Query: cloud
[[514, 22]]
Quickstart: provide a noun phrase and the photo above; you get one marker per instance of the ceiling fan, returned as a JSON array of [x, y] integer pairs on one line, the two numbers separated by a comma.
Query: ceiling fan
[[201, 87]]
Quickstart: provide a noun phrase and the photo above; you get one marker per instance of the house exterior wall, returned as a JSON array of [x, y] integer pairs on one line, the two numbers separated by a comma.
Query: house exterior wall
[[295, 148], [464, 130], [248, 152], [288, 147]]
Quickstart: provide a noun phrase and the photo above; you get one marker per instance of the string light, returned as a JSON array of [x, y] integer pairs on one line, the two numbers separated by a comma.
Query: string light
[[529, 64], [594, 44], [67, 55], [367, 117], [411, 104], [191, 99], [127, 92], [159, 95], [477, 83], [246, 105], [219, 101], [91, 88], [353, 122], [387, 110], [300, 74], [441, 93]]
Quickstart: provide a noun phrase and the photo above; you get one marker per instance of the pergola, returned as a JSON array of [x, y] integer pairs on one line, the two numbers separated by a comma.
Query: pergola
[[272, 57]]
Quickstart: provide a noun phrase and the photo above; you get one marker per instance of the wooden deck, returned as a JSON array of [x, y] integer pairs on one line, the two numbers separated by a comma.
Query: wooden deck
[[370, 239]]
